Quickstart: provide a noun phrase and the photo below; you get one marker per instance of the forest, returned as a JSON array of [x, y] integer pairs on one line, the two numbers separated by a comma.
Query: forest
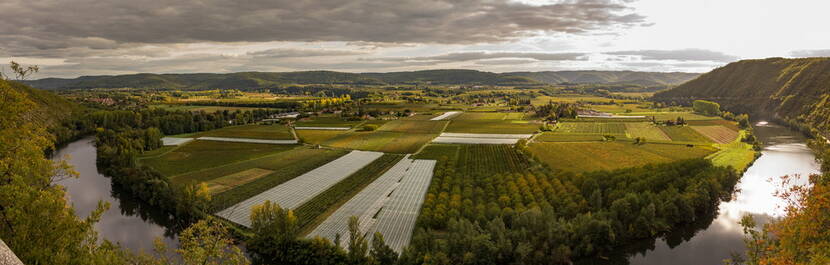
[[487, 215]]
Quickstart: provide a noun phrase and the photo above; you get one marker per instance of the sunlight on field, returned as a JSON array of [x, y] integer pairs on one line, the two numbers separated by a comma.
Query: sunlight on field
[[590, 156]]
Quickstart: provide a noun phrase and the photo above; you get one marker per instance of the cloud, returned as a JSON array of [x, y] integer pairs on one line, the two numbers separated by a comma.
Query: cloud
[[506, 62], [293, 53], [679, 55], [482, 55], [34, 26], [811, 53]]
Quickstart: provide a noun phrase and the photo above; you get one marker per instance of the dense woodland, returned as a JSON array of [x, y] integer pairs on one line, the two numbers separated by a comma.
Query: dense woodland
[[479, 214]]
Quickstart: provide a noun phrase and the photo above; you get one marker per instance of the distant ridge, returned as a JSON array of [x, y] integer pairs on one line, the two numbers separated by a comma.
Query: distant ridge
[[646, 79], [794, 90], [425, 77]]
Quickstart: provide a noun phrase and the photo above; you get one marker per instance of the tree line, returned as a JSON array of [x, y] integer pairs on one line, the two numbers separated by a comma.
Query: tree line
[[542, 217]]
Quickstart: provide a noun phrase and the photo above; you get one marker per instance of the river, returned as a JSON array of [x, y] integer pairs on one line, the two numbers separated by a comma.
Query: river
[[784, 153], [128, 222]]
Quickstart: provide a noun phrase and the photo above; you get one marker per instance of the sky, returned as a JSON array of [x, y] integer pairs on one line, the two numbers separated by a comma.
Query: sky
[[70, 38]]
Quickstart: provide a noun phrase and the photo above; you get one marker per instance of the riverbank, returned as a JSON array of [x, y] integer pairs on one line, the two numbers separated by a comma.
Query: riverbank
[[785, 152], [128, 222]]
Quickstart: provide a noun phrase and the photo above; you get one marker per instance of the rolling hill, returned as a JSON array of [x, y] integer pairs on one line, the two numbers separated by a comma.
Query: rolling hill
[[425, 77], [264, 79], [793, 90], [645, 79]]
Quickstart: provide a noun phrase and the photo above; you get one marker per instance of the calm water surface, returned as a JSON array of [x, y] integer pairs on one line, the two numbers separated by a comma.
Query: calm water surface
[[127, 222], [134, 225], [785, 153]]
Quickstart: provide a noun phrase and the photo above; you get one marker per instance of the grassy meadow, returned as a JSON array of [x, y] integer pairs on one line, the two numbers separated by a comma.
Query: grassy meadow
[[198, 154], [254, 131], [492, 126]]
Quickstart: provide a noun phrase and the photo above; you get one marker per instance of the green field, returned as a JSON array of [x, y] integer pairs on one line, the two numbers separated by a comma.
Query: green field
[[728, 124], [571, 98], [737, 154], [646, 130], [389, 142], [326, 121], [684, 134], [421, 116], [198, 155], [174, 107], [402, 107], [591, 128], [316, 210], [480, 116], [254, 131], [492, 126], [318, 136], [414, 126], [566, 137], [717, 133], [275, 162], [224, 183], [662, 116], [591, 156], [620, 108], [438, 152], [477, 158], [284, 166]]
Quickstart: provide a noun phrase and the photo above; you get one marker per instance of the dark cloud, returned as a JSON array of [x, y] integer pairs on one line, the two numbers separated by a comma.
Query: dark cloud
[[811, 53], [473, 56], [679, 55], [31, 27]]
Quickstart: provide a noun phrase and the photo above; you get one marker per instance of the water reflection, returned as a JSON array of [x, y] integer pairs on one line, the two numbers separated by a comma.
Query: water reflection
[[785, 153], [127, 222]]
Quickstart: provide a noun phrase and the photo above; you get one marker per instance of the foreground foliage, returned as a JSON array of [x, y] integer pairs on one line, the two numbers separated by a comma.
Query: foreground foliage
[[801, 236], [41, 228]]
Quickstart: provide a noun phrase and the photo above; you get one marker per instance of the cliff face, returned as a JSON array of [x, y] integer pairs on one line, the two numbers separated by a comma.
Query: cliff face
[[794, 90]]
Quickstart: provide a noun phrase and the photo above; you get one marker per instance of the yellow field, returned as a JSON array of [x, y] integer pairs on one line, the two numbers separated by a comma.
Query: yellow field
[[318, 136], [662, 116], [480, 116], [390, 142], [253, 131], [492, 126], [614, 108], [414, 126], [684, 134], [719, 134], [590, 156], [736, 154], [646, 130], [221, 184]]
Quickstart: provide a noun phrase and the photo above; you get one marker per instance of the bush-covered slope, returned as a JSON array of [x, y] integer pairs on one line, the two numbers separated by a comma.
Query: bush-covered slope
[[794, 90], [50, 109]]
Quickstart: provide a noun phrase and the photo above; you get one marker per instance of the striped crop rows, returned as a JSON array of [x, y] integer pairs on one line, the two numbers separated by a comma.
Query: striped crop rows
[[303, 188], [388, 205]]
